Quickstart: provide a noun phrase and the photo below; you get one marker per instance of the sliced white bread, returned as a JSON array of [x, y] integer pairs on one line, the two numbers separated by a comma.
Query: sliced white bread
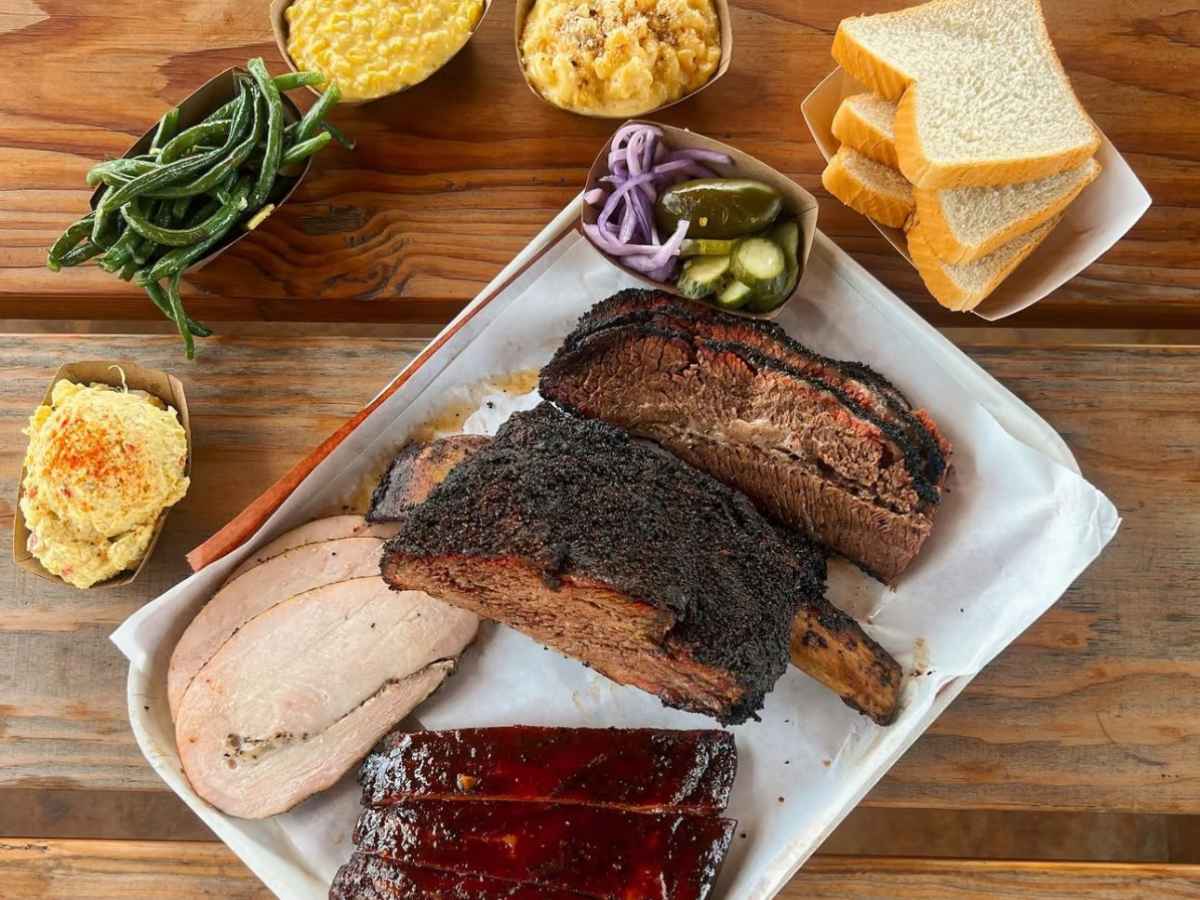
[[876, 191], [963, 286], [982, 97], [866, 123], [962, 225]]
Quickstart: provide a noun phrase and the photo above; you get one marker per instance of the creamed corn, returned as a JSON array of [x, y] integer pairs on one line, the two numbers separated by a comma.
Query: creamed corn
[[619, 57], [377, 47]]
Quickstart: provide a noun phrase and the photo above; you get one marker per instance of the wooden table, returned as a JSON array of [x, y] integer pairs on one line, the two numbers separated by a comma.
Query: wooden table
[[1081, 741]]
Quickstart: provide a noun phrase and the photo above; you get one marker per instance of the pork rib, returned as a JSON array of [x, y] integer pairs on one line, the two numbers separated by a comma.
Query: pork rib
[[367, 877], [596, 851], [642, 769]]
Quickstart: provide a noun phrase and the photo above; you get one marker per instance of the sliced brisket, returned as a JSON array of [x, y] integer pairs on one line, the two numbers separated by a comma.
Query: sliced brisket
[[617, 554], [598, 852], [644, 769], [828, 447]]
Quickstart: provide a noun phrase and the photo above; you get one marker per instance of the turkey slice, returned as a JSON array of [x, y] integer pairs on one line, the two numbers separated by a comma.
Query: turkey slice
[[304, 690]]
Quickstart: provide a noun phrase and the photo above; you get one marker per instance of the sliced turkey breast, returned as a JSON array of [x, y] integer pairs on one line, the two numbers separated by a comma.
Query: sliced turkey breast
[[304, 690], [256, 590], [328, 529]]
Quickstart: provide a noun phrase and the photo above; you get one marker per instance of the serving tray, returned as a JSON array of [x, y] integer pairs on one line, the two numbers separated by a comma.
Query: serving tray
[[1019, 524]]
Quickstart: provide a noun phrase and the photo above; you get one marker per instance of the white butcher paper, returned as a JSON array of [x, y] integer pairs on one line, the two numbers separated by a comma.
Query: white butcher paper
[[1016, 527]]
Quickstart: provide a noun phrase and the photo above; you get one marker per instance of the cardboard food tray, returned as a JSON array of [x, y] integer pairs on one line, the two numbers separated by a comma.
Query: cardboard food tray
[[1097, 219], [212, 94], [797, 202], [279, 27], [166, 388], [1011, 470], [724, 24]]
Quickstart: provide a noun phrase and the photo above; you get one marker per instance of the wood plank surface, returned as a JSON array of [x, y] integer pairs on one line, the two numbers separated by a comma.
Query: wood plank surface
[[108, 870], [1096, 707], [880, 878], [451, 178]]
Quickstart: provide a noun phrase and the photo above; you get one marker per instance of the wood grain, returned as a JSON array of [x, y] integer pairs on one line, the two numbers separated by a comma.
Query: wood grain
[[453, 177], [1096, 707], [866, 878], [108, 870]]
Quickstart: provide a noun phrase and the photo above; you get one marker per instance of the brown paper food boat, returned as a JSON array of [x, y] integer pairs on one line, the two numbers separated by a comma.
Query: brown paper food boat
[[212, 94], [279, 27], [724, 24], [796, 200], [165, 387]]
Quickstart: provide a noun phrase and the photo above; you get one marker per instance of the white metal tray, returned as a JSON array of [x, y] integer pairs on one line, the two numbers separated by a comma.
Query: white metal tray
[[1018, 526]]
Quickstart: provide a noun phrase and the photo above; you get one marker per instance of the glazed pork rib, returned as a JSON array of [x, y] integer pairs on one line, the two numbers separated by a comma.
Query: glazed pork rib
[[828, 447], [617, 554], [641, 769], [367, 877], [596, 851]]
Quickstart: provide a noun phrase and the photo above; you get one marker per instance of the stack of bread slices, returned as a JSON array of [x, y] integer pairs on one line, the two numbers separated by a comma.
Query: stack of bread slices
[[971, 138]]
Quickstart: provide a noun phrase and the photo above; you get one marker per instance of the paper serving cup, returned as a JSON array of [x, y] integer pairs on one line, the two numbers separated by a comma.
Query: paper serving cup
[[724, 25], [1097, 219], [166, 388], [797, 202], [212, 94], [279, 27]]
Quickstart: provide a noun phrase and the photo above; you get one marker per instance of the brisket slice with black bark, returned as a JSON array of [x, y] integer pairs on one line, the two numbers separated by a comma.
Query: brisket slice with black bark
[[617, 554], [597, 851], [858, 381], [639, 769], [827, 447], [825, 643]]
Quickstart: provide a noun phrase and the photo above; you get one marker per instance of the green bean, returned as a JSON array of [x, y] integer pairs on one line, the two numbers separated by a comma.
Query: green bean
[[159, 298], [118, 169], [168, 125], [305, 149], [225, 190], [182, 237], [293, 80], [181, 257], [160, 177], [311, 123], [80, 254], [338, 136], [102, 230], [286, 82], [128, 270], [218, 173], [120, 253], [75, 233], [180, 316], [188, 139], [179, 208], [270, 165]]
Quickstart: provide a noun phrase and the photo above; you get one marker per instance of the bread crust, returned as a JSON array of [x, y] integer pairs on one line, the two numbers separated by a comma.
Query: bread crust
[[937, 233], [868, 68], [855, 131], [944, 289], [924, 172], [885, 209]]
